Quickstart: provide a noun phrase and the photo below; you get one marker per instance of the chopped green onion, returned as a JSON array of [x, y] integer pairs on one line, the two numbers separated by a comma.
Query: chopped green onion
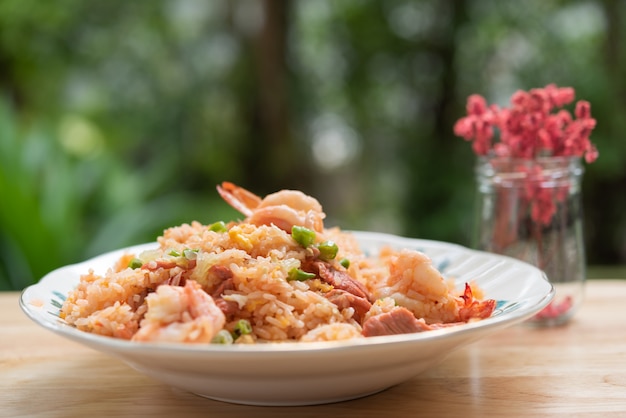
[[219, 226], [135, 263], [222, 337], [303, 236], [190, 254], [299, 275], [242, 327], [345, 262], [174, 253], [328, 250]]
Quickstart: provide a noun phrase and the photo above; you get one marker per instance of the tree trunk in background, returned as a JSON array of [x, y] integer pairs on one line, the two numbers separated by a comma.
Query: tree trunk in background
[[602, 220], [9, 87], [440, 141], [272, 162], [270, 53]]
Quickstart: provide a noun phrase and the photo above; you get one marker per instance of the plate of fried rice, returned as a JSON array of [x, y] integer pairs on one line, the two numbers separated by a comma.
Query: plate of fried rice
[[279, 309]]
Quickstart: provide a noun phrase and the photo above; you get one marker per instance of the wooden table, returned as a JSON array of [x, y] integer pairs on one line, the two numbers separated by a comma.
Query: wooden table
[[578, 369]]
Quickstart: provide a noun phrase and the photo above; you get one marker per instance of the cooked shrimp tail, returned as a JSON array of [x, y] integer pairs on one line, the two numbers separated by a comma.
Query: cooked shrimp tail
[[474, 309], [283, 209], [239, 198]]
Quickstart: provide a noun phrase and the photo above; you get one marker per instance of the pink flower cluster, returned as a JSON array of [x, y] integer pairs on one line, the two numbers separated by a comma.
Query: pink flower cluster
[[529, 128], [543, 201]]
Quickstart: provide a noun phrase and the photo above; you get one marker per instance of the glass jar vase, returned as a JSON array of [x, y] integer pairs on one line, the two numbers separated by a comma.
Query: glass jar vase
[[531, 209]]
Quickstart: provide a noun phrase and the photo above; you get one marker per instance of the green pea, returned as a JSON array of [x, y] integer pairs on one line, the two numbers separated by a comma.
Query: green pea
[[219, 226], [303, 236], [345, 263], [242, 327], [135, 263], [328, 250], [222, 337]]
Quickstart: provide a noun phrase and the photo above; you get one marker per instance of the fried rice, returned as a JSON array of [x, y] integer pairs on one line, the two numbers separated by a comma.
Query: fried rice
[[202, 282]]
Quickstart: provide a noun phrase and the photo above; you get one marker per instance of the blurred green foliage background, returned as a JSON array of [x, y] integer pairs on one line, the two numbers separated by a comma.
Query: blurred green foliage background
[[118, 118]]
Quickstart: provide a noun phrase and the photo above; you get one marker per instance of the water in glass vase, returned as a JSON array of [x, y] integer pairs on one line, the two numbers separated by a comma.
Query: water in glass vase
[[531, 209]]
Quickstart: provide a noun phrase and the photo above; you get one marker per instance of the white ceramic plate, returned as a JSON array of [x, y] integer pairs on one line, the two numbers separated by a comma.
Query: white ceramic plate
[[309, 373]]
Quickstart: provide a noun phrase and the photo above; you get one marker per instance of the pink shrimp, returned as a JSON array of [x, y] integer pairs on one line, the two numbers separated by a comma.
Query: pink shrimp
[[474, 309], [414, 283], [180, 314], [283, 209]]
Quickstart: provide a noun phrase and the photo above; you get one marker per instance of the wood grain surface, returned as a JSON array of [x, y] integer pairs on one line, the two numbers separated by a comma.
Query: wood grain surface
[[575, 370]]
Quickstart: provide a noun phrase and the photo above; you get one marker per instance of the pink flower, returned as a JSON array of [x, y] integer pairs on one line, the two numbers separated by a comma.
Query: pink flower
[[477, 126], [476, 105], [560, 96], [534, 125], [591, 154], [583, 110]]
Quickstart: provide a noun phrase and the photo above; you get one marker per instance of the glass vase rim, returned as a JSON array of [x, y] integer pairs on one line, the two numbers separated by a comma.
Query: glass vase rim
[[512, 169], [538, 159]]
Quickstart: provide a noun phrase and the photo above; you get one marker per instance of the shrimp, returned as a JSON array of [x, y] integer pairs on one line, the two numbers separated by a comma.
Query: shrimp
[[239, 198], [412, 272], [417, 285], [180, 314], [474, 309], [283, 209]]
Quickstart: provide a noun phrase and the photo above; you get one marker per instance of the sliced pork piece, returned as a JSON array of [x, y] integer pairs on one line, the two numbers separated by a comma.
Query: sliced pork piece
[[344, 299], [227, 307], [336, 278], [397, 321]]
